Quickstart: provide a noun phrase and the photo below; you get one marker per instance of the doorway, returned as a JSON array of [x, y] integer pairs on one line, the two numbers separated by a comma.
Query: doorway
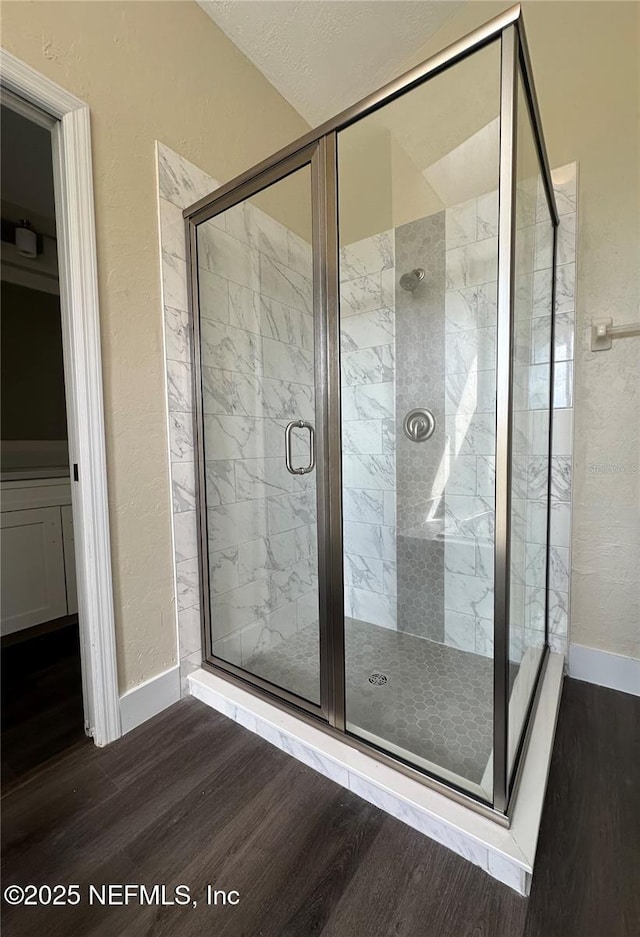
[[42, 698], [84, 518]]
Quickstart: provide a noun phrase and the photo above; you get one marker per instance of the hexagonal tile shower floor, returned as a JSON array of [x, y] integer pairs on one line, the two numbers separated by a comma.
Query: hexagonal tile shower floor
[[436, 702]]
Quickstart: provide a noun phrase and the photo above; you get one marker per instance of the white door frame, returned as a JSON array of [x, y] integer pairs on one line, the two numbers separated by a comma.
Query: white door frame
[[73, 183]]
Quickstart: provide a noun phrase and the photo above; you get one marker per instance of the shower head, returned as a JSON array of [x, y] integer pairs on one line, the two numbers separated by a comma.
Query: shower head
[[411, 281]]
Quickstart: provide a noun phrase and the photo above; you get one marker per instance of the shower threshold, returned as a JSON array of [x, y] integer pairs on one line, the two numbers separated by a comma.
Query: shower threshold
[[506, 854]]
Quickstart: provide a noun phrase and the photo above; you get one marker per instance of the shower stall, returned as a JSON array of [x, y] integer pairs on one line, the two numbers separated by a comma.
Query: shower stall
[[373, 323]]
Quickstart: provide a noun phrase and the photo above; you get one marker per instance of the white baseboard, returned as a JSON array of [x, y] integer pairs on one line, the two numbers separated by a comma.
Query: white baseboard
[[611, 670], [149, 698]]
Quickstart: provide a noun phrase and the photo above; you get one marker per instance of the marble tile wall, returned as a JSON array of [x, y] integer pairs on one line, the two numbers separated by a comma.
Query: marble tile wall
[[470, 309], [256, 310], [180, 184], [271, 353], [257, 338], [469, 458], [367, 305]]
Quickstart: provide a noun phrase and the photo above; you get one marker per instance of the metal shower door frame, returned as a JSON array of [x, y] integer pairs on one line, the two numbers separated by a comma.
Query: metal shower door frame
[[515, 66], [312, 156], [318, 148]]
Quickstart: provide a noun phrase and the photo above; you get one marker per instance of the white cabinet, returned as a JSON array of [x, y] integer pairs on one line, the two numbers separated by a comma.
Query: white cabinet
[[33, 581], [37, 562]]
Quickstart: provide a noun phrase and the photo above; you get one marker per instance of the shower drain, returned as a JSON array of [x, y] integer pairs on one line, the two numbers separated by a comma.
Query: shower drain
[[378, 679]]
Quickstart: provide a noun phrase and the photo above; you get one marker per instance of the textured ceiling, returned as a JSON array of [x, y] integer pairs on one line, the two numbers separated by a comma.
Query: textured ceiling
[[323, 55]]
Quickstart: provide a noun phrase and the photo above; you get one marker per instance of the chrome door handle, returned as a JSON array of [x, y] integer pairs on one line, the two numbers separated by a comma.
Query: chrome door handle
[[301, 470]]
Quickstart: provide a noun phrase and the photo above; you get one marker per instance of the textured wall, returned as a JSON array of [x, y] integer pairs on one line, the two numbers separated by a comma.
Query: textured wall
[[148, 71]]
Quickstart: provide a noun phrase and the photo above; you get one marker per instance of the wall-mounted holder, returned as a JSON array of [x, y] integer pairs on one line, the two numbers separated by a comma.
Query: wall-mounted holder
[[603, 331]]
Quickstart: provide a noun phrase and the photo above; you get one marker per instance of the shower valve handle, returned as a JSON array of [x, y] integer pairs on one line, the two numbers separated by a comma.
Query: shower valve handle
[[419, 424]]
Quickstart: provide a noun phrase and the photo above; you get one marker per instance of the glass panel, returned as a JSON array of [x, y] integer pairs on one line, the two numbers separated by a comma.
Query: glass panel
[[531, 399], [257, 354], [418, 214]]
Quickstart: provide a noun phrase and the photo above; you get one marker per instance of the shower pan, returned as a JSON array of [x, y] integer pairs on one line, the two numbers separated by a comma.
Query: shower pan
[[372, 315]]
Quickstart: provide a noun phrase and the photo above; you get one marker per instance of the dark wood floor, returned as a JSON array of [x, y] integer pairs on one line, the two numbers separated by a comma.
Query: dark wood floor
[[191, 798], [42, 711]]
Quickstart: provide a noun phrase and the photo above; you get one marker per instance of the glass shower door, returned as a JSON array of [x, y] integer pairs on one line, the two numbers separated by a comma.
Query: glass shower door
[[373, 325], [256, 354], [418, 220]]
